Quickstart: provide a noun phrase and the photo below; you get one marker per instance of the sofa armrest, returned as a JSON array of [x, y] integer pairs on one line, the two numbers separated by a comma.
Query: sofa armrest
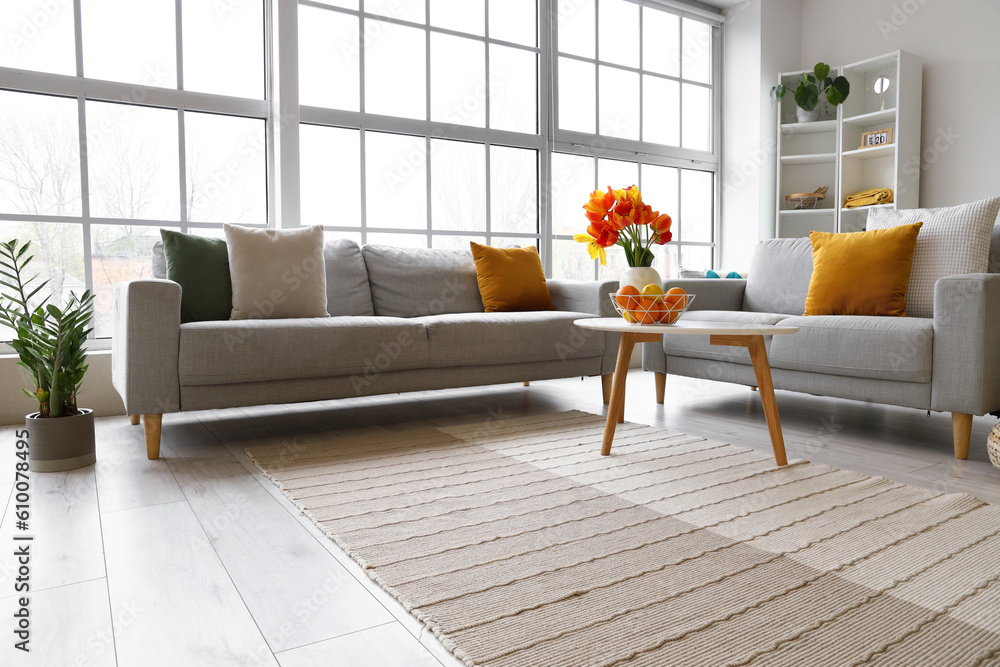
[[966, 364], [583, 296], [146, 321], [712, 293]]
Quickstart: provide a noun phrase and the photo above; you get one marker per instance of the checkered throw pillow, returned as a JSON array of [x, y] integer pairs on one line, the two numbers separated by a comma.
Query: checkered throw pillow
[[953, 240]]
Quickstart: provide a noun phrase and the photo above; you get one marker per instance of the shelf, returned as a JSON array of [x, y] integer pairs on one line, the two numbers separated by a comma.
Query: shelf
[[858, 209], [805, 212], [873, 118], [809, 128], [815, 158], [869, 153]]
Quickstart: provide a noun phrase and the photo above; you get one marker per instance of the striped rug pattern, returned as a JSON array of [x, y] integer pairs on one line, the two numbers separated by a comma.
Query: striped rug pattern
[[520, 546]]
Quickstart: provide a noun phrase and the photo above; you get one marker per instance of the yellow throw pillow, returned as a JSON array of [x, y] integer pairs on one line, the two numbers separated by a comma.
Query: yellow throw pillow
[[864, 273], [511, 279]]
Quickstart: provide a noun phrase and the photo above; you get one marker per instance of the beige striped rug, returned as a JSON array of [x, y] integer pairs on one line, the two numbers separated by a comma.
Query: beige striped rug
[[520, 546]]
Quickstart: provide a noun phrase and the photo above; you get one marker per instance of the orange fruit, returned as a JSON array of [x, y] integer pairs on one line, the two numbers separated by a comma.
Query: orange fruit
[[651, 310], [675, 298], [627, 298]]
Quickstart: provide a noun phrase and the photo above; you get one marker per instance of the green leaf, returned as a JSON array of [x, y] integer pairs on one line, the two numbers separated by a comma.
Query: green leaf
[[822, 70], [833, 96], [807, 97], [843, 86], [811, 78], [777, 92]]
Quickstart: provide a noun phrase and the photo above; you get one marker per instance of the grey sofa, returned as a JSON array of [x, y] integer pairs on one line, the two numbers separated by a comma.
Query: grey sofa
[[948, 363], [401, 320]]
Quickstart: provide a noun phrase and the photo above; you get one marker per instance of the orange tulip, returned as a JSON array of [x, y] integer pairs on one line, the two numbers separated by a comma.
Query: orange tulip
[[599, 205], [661, 225]]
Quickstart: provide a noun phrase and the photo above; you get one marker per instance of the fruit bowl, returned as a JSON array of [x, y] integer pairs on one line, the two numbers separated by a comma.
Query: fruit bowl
[[651, 309]]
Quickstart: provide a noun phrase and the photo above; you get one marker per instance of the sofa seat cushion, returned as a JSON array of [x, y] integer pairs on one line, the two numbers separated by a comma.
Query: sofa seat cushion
[[485, 339], [240, 351], [699, 347], [883, 348]]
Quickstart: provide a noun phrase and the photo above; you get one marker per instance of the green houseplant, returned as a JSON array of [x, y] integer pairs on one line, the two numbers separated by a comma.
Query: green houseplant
[[49, 342], [811, 87]]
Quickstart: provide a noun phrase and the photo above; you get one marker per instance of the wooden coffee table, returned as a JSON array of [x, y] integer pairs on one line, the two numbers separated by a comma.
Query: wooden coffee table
[[750, 336]]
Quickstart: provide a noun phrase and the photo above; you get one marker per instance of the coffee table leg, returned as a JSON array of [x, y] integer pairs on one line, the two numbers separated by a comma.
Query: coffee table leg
[[762, 369], [617, 405]]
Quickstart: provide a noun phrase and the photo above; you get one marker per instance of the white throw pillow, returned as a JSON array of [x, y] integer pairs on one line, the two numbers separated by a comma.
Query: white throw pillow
[[277, 272], [953, 240]]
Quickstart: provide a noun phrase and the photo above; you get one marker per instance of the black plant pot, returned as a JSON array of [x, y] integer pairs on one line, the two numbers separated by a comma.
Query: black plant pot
[[60, 443]]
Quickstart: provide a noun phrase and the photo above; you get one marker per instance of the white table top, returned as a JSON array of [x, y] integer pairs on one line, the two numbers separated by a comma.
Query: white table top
[[685, 327]]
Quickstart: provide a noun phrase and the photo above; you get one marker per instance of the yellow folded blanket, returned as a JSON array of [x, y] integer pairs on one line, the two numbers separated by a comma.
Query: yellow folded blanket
[[869, 197]]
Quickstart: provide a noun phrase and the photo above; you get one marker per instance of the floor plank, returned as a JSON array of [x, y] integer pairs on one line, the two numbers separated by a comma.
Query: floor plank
[[71, 625], [66, 524], [161, 562], [126, 479], [296, 591], [386, 646]]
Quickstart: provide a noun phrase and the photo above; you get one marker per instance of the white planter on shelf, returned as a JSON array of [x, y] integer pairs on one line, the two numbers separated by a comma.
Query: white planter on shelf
[[807, 116], [640, 276]]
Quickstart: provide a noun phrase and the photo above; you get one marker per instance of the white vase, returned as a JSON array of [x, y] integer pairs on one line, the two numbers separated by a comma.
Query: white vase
[[640, 276], [807, 116]]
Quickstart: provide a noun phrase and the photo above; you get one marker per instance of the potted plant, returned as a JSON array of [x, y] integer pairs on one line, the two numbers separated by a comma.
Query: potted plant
[[809, 90], [49, 342], [619, 217]]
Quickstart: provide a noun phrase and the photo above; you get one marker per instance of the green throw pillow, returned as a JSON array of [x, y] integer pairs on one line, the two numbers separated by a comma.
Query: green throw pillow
[[201, 267]]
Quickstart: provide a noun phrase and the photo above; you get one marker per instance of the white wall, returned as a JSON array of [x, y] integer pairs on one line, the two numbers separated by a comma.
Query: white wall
[[761, 39], [96, 394], [958, 43]]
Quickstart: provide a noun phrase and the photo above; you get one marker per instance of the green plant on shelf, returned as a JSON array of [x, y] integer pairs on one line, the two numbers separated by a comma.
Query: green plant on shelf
[[812, 86], [48, 339]]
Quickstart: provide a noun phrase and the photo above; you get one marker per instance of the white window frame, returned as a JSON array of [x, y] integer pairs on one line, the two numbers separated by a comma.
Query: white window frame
[[636, 151], [84, 89]]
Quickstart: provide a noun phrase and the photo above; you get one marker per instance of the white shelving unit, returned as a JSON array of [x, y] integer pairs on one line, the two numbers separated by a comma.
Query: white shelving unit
[[827, 152]]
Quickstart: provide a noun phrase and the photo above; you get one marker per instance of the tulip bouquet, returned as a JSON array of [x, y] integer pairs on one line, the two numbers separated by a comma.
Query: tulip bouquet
[[619, 217]]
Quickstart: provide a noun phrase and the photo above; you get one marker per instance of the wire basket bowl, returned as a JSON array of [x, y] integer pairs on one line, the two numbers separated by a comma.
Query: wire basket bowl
[[801, 201], [993, 446], [655, 309]]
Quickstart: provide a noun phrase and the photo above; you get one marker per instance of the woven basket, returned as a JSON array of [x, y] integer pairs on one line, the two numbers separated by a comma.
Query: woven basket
[[993, 445]]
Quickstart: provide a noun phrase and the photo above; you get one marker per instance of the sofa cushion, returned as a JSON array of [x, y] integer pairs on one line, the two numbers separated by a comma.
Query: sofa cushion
[[864, 273], [347, 291], [484, 339], [700, 347], [994, 265], [414, 282], [510, 279], [884, 348], [277, 273], [779, 277], [239, 351], [200, 265], [954, 240]]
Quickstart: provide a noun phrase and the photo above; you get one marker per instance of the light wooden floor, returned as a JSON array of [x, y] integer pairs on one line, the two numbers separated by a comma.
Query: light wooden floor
[[195, 559]]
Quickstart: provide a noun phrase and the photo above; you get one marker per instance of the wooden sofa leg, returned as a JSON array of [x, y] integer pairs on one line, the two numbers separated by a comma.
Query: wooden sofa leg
[[133, 419], [961, 431], [526, 383], [606, 382], [661, 387], [151, 425]]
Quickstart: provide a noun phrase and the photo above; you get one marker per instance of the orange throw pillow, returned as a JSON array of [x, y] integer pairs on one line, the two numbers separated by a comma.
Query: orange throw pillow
[[862, 273], [511, 279]]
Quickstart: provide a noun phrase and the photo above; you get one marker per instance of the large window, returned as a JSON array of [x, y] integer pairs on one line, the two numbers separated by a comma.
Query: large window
[[424, 123], [424, 116], [124, 119], [635, 104]]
